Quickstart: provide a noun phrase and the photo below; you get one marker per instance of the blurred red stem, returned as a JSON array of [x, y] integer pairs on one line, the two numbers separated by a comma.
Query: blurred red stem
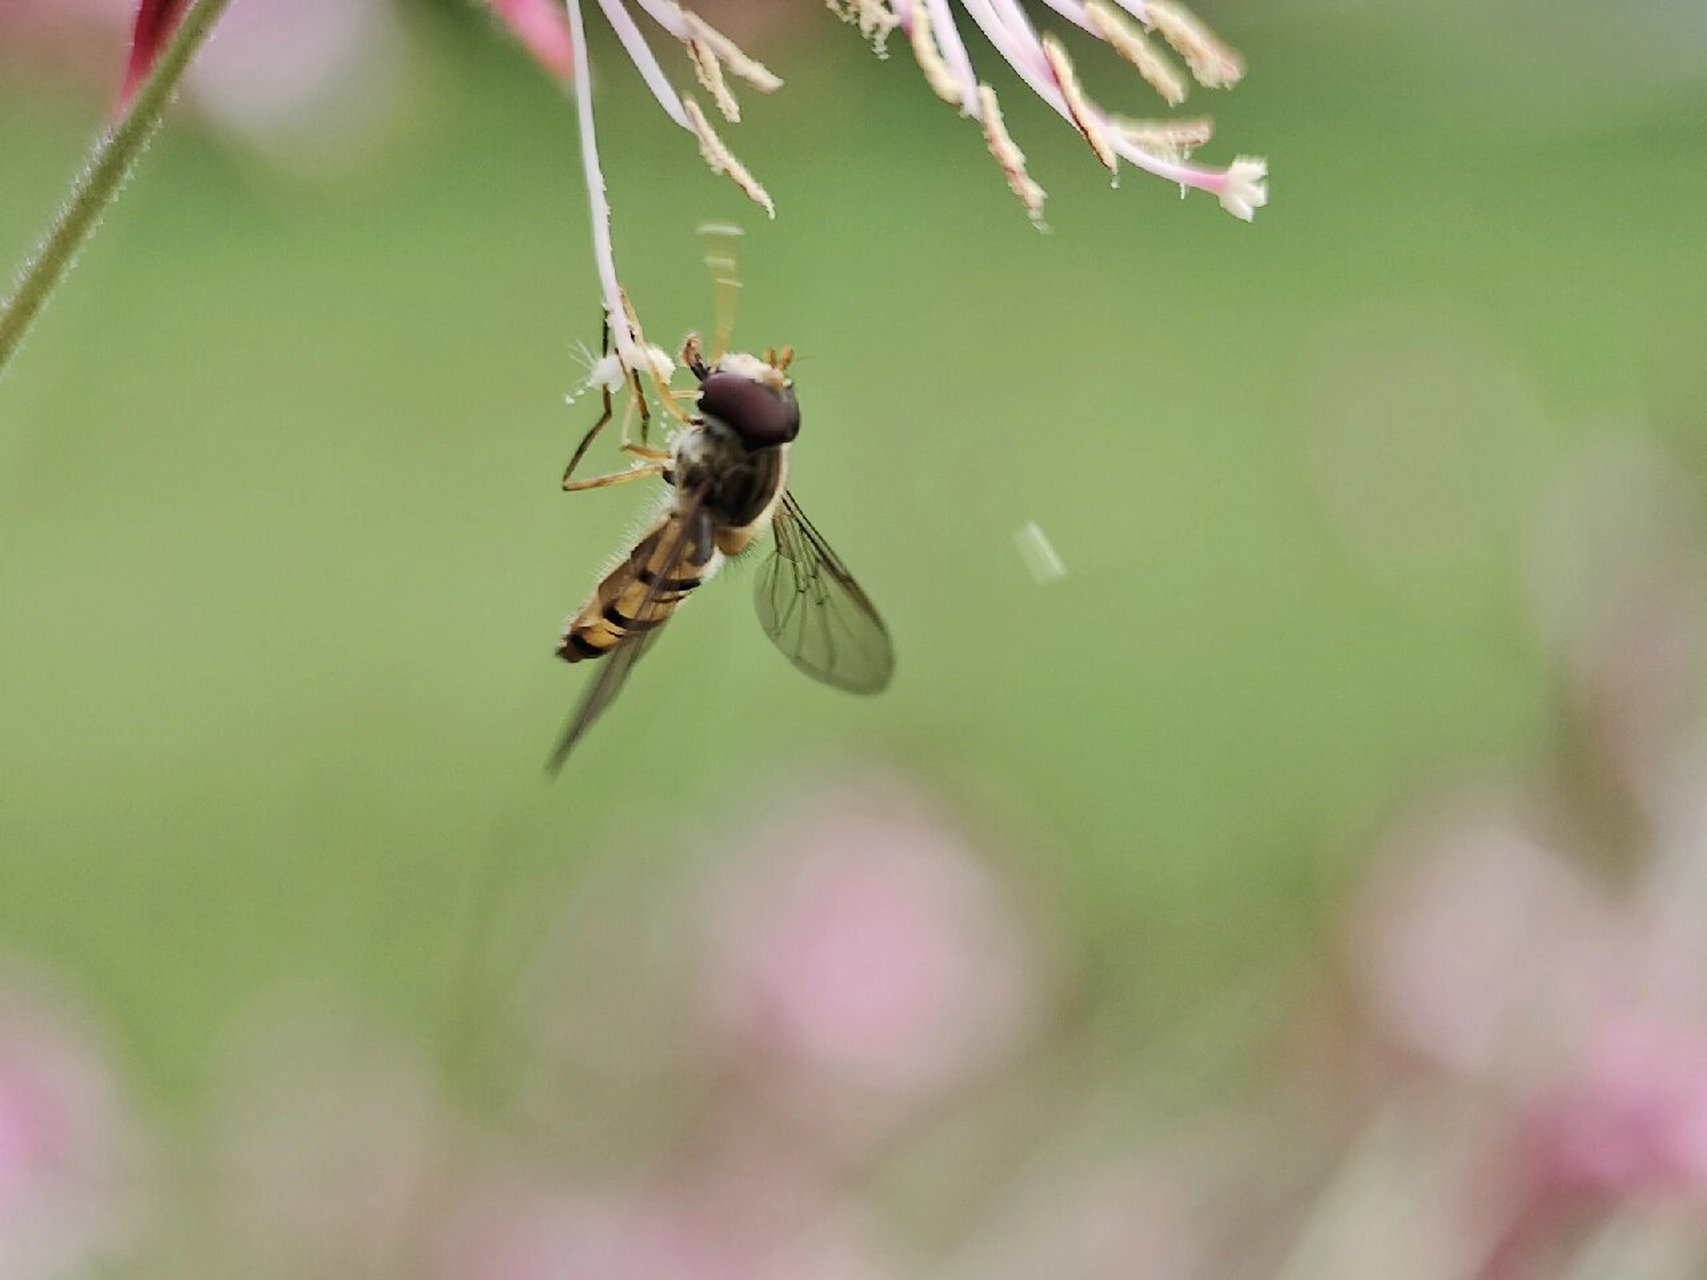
[[110, 162]]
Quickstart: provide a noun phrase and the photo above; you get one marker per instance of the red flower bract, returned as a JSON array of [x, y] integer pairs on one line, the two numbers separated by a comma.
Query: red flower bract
[[156, 20]]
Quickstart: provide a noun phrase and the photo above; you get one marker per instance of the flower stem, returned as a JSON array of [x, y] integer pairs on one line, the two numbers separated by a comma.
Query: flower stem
[[110, 161], [622, 333]]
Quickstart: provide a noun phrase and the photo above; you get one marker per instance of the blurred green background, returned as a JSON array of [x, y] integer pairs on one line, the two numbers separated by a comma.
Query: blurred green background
[[283, 556]]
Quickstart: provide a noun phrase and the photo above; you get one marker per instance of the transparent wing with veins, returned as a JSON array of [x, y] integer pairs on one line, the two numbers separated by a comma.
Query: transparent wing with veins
[[811, 607]]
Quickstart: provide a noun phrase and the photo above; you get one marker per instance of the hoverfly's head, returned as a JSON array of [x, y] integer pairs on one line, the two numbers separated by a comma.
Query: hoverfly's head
[[753, 398]]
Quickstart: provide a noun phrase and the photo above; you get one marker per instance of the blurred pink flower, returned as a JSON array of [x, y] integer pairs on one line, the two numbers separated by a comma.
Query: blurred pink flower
[[747, 1210], [1567, 1021], [328, 1136], [67, 1149], [510, 1229], [863, 938], [306, 82], [1633, 1119], [1471, 937], [311, 42], [1082, 1218], [1617, 576]]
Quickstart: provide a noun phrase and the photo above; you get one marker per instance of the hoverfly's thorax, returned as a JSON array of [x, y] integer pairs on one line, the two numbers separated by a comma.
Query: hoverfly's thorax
[[740, 483]]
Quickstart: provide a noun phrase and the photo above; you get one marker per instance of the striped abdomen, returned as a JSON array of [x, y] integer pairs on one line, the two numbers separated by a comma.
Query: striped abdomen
[[676, 556]]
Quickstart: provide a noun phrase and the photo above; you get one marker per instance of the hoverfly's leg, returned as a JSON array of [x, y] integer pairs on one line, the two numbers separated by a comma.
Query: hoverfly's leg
[[641, 450], [724, 263], [605, 416], [645, 413], [639, 471], [587, 440]]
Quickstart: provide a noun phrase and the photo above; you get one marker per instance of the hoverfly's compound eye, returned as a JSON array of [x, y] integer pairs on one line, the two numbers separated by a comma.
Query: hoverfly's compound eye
[[761, 416]]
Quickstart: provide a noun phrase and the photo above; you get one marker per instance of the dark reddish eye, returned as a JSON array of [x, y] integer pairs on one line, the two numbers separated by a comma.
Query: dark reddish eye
[[759, 415]]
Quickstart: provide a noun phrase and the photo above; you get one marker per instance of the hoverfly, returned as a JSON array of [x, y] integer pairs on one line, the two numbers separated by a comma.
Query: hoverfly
[[727, 472]]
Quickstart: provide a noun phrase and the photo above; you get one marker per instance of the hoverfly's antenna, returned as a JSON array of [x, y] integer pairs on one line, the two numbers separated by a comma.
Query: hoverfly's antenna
[[723, 260]]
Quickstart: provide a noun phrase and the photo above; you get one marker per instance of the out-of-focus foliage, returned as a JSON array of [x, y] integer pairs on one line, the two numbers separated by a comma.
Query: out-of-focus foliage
[[1321, 843]]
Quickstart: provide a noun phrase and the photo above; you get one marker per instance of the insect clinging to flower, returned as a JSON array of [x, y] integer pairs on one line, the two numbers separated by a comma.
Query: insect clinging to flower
[[727, 471]]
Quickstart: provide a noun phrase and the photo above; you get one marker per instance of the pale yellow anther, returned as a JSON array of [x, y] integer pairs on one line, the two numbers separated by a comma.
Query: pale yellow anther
[[1213, 64], [1131, 44], [1167, 139], [710, 73], [1085, 116], [937, 74], [875, 18], [1008, 156], [730, 54], [722, 160]]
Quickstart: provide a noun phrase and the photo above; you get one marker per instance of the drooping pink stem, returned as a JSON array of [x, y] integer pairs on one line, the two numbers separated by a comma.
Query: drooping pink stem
[[597, 202]]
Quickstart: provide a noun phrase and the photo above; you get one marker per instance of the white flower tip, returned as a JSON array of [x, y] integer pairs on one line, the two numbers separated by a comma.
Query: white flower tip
[[1246, 188]]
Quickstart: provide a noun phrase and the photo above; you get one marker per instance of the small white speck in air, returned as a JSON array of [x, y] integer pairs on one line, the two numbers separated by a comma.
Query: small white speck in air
[[1039, 554]]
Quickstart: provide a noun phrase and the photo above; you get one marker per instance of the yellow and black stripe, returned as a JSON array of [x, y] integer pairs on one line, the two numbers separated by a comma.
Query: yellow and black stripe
[[641, 593]]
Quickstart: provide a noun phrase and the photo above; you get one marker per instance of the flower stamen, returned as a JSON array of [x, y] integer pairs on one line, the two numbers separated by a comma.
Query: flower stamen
[[1008, 155]]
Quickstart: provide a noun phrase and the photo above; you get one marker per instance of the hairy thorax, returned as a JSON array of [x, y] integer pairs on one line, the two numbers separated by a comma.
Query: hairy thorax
[[741, 485]]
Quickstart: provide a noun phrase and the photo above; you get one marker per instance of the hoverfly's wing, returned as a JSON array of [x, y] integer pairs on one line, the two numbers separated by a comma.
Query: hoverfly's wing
[[613, 674], [690, 528], [810, 605]]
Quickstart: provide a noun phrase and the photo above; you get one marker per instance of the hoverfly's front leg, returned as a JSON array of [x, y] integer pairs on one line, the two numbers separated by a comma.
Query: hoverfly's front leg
[[639, 471], [586, 442], [604, 416]]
